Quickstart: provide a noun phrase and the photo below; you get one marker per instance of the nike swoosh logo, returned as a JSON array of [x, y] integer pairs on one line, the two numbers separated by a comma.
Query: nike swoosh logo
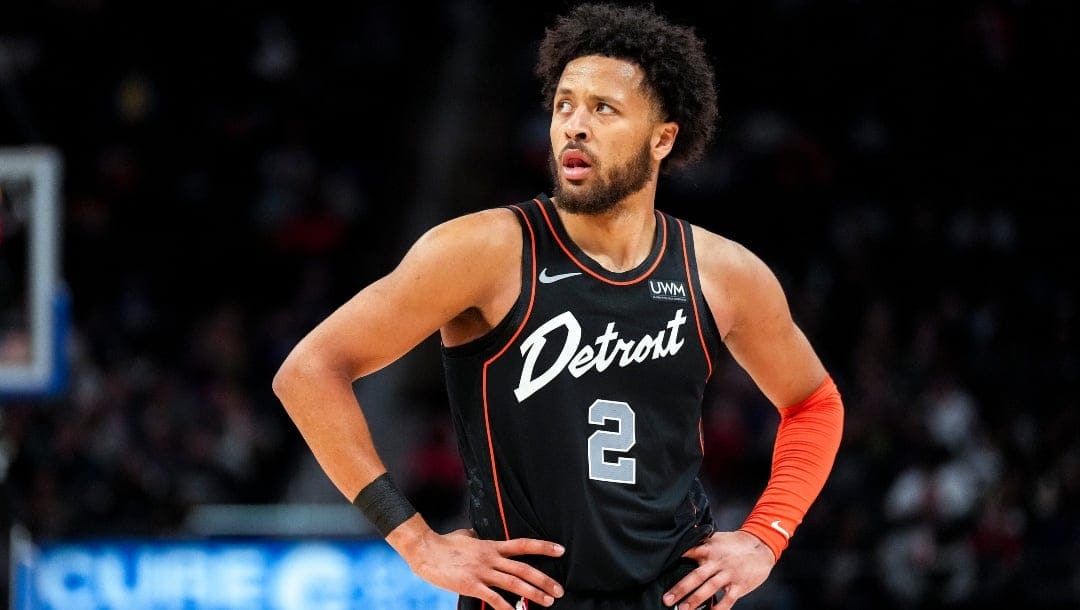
[[548, 279], [776, 526]]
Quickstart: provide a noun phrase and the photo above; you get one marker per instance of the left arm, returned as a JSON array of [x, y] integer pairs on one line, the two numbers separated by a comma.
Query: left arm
[[754, 319]]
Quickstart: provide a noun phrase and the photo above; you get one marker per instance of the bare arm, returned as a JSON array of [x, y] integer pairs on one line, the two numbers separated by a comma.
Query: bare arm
[[453, 278], [755, 321], [434, 283]]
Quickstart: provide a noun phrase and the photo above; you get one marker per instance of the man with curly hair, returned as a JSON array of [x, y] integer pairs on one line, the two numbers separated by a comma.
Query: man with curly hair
[[578, 332]]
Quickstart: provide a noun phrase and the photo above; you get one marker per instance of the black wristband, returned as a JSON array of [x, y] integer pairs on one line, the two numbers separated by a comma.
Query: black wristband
[[383, 504]]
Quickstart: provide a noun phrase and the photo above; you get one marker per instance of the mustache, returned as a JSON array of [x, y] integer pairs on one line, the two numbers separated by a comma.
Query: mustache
[[574, 146]]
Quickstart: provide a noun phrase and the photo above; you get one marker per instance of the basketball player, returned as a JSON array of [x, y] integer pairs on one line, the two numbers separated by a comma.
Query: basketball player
[[578, 332]]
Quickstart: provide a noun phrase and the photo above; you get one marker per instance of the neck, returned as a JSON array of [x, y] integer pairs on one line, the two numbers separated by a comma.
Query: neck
[[619, 239]]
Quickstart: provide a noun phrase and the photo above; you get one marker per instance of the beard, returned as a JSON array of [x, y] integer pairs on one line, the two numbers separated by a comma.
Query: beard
[[607, 190]]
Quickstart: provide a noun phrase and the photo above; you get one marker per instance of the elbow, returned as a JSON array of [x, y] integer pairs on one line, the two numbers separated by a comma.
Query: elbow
[[284, 378], [291, 375], [308, 370]]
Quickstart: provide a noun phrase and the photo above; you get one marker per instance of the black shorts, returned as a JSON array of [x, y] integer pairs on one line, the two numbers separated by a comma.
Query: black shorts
[[645, 597]]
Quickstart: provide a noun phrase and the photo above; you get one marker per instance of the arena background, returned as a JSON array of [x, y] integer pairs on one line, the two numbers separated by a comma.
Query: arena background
[[233, 171]]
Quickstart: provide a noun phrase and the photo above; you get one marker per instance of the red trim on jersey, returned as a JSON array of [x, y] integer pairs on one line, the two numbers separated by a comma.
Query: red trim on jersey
[[694, 304], [697, 322], [663, 246], [484, 374], [701, 435]]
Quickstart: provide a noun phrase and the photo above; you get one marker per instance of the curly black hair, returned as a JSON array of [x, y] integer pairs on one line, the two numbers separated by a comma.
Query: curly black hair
[[676, 65]]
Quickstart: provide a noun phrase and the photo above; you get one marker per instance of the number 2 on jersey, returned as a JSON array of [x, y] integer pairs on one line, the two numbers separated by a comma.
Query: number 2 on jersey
[[621, 439]]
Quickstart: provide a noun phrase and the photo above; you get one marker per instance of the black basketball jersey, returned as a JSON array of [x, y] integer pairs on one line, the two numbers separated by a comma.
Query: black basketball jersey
[[579, 415]]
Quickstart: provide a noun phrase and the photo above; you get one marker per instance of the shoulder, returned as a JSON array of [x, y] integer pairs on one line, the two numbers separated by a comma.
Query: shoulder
[[734, 279], [490, 231], [470, 268], [477, 255], [719, 255]]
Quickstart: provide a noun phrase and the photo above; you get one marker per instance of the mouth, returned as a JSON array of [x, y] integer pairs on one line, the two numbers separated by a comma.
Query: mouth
[[575, 165]]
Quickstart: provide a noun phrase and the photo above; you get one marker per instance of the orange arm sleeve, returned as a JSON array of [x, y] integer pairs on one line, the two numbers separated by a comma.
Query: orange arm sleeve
[[807, 440]]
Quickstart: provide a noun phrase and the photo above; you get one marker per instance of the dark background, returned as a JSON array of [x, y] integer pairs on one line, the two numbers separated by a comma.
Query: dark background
[[233, 171]]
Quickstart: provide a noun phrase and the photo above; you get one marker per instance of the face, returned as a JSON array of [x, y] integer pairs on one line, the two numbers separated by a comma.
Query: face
[[606, 138]]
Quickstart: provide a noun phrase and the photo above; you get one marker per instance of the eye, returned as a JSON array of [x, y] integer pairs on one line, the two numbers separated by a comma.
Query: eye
[[603, 108], [562, 106]]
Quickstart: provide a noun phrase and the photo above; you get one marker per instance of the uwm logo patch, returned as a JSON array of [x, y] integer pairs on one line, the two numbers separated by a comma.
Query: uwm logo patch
[[668, 290]]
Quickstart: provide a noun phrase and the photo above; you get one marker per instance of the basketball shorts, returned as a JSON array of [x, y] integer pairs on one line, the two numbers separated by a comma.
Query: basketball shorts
[[644, 597]]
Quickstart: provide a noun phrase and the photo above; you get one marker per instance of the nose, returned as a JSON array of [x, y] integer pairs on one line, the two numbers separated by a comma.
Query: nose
[[576, 125]]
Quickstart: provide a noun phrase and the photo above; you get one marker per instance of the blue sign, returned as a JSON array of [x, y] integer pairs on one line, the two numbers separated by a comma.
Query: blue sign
[[220, 575]]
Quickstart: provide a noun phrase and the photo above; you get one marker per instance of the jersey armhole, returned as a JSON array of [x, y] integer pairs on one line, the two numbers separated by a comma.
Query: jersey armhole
[[710, 332], [497, 338]]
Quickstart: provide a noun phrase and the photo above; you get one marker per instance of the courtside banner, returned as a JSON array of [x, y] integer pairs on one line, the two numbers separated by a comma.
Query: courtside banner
[[218, 575]]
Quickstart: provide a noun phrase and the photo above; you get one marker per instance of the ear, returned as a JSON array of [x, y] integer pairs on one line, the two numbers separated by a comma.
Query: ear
[[663, 139]]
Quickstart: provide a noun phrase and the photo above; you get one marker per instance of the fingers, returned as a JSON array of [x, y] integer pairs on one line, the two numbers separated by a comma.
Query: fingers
[[684, 587], [708, 589], [537, 585], [524, 579], [529, 546], [493, 599], [728, 600], [520, 578], [512, 584], [698, 587], [503, 576], [517, 578], [699, 553]]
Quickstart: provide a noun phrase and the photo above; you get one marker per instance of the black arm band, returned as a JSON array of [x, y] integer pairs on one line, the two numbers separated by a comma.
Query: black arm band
[[383, 504]]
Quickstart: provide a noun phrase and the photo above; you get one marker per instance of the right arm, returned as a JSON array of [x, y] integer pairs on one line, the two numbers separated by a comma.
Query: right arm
[[454, 275]]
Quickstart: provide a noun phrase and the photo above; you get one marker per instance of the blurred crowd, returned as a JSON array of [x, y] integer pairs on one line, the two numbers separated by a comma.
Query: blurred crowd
[[234, 172]]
